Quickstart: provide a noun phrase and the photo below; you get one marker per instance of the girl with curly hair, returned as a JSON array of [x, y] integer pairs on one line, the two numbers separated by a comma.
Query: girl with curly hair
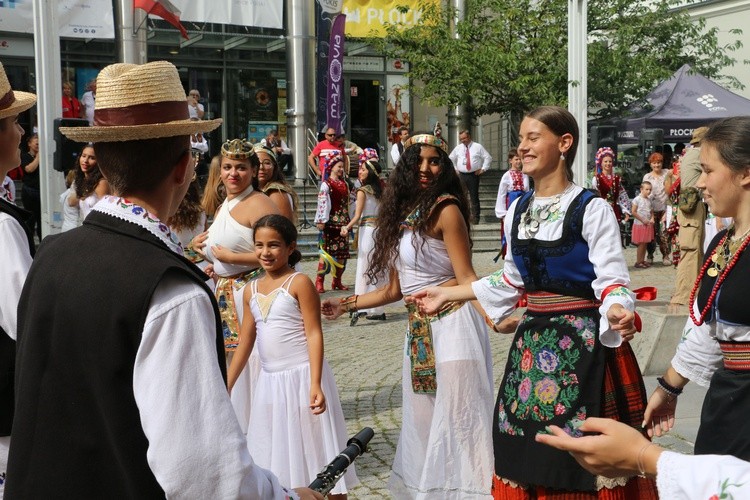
[[445, 448], [366, 214], [214, 192], [331, 216], [89, 184], [188, 222]]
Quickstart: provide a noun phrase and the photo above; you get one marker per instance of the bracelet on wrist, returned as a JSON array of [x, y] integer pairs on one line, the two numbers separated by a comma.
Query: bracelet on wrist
[[669, 389], [349, 304], [639, 459]]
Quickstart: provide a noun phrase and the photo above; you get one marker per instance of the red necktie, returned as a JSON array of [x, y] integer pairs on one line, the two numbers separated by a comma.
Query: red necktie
[[468, 159]]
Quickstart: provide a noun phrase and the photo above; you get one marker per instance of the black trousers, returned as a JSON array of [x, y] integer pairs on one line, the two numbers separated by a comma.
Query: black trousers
[[471, 181], [32, 201]]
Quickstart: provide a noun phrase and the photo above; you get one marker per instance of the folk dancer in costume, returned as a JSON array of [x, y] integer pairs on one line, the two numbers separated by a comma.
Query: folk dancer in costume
[[570, 358], [272, 182], [332, 214], [610, 185], [296, 424], [228, 246], [366, 214], [444, 449], [714, 350], [16, 250], [142, 410], [513, 184]]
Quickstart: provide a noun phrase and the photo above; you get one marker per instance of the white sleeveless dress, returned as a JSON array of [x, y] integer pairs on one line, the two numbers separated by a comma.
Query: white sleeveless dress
[[283, 434], [365, 246], [230, 234], [445, 447]]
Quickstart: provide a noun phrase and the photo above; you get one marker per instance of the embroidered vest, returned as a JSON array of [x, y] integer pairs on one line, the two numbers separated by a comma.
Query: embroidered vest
[[77, 430], [7, 346], [560, 266]]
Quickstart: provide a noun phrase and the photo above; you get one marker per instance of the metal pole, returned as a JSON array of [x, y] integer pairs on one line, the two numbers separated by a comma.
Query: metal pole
[[300, 49], [49, 105], [577, 79], [132, 46], [457, 118]]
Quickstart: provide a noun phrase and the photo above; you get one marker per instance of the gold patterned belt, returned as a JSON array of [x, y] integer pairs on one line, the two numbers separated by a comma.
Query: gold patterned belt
[[368, 220], [736, 355], [225, 288], [546, 302], [421, 348]]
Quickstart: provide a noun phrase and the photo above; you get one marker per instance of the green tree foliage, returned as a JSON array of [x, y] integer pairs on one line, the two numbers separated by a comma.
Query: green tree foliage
[[509, 56]]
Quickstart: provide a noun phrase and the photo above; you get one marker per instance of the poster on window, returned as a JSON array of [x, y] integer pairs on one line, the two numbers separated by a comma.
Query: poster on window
[[397, 106], [76, 18], [260, 13], [261, 100]]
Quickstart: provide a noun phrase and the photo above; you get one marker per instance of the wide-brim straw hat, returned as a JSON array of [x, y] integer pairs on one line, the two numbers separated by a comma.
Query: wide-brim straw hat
[[136, 102], [13, 102]]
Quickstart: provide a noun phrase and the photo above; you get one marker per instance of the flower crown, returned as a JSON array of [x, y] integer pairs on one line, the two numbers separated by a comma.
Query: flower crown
[[427, 139], [329, 160], [370, 159], [600, 154]]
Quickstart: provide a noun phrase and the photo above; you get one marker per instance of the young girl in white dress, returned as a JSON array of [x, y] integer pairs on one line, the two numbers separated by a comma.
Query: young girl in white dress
[[296, 424], [366, 214]]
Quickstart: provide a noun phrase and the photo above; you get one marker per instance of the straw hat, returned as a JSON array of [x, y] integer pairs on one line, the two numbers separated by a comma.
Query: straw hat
[[698, 135], [12, 101], [135, 102]]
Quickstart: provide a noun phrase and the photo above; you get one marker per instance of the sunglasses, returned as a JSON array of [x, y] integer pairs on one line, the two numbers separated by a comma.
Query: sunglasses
[[330, 135]]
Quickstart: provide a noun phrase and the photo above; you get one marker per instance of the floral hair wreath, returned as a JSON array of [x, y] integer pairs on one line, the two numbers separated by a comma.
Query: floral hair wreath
[[237, 149], [329, 160], [370, 159], [600, 154], [427, 139]]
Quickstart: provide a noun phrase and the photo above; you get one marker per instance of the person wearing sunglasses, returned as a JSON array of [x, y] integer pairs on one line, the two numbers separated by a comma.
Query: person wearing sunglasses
[[332, 142]]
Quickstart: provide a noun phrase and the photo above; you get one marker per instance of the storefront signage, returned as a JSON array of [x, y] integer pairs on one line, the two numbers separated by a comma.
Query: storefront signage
[[76, 18], [364, 64], [260, 13], [334, 100], [366, 18]]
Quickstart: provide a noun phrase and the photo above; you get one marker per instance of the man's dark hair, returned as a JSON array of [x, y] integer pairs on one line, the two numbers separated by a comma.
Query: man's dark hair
[[139, 166]]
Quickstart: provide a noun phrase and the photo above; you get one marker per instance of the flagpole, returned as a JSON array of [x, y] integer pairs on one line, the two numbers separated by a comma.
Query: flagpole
[[131, 41], [49, 106]]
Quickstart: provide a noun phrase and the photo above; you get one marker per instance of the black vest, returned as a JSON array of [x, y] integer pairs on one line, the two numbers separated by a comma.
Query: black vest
[[77, 431], [7, 346]]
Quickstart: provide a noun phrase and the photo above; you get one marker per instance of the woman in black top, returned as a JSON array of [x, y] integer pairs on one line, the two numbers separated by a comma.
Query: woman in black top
[[30, 196]]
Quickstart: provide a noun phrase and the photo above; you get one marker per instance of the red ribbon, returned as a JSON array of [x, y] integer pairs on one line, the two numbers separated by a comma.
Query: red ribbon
[[142, 114], [8, 99], [645, 293]]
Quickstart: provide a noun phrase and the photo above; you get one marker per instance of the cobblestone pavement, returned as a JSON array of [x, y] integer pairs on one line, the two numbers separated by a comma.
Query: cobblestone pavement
[[366, 360]]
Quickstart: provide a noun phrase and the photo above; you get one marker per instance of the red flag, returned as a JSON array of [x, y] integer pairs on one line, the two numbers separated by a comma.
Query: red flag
[[165, 10]]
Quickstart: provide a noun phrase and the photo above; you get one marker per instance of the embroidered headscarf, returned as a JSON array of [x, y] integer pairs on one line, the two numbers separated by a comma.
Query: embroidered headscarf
[[370, 159], [329, 161], [600, 154]]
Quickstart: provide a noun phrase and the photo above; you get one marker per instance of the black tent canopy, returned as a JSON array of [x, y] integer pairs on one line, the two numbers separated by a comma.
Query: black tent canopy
[[678, 105]]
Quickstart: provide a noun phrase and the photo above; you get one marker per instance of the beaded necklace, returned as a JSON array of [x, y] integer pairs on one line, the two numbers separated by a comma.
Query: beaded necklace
[[720, 264]]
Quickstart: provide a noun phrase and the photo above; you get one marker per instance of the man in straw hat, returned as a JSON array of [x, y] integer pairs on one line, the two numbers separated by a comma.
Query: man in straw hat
[[120, 363], [692, 220], [16, 249]]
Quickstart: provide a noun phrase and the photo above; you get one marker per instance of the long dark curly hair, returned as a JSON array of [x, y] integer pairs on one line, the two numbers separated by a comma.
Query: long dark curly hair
[[402, 196], [86, 184], [189, 212], [373, 179]]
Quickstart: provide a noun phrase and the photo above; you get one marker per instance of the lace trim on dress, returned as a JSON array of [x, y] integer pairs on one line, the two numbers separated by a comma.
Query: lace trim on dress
[[126, 210]]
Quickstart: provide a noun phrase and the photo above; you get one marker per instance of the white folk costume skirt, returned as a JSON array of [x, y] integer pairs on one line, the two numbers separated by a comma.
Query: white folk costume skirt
[[445, 447], [365, 245], [286, 438]]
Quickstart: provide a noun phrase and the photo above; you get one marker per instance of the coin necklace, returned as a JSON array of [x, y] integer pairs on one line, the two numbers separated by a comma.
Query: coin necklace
[[715, 266], [534, 216]]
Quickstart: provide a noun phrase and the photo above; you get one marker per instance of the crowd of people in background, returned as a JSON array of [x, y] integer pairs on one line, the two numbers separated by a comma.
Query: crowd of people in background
[[217, 255]]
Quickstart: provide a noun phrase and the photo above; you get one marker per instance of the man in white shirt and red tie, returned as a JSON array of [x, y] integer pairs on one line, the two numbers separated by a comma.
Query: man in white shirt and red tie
[[471, 160]]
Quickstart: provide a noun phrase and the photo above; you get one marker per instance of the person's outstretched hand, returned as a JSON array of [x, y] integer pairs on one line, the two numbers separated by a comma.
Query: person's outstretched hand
[[622, 321], [658, 418], [331, 308], [429, 300]]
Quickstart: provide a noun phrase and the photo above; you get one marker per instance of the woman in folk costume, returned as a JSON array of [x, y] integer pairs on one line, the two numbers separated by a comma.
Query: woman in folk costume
[[512, 185], [444, 449], [366, 214], [714, 351], [332, 214], [570, 358], [228, 246], [609, 184], [271, 181]]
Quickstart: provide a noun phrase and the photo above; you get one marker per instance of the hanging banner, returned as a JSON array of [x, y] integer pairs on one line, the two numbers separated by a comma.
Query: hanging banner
[[77, 18], [259, 13], [334, 91], [366, 18]]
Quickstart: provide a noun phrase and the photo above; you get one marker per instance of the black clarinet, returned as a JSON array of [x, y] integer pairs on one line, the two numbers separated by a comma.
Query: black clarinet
[[329, 476]]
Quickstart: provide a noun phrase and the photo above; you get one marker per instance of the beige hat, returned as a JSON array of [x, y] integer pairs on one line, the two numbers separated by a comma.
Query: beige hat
[[698, 135], [135, 102], [13, 102]]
